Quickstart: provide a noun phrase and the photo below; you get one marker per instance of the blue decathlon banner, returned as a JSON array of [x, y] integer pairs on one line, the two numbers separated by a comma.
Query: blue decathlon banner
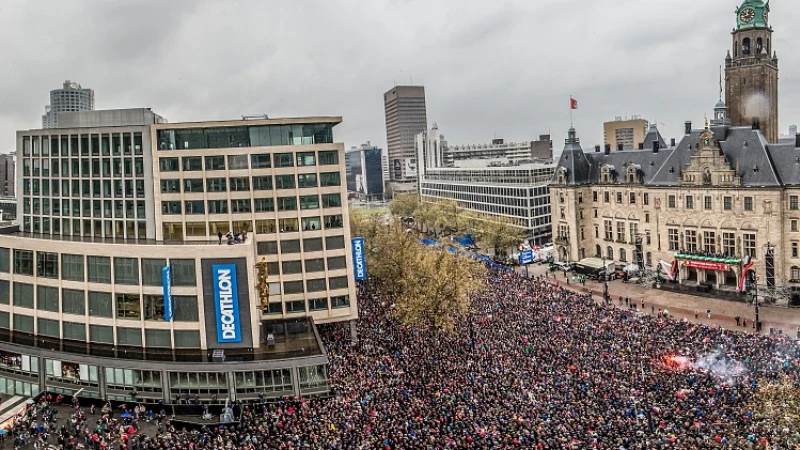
[[166, 284], [226, 303], [359, 260]]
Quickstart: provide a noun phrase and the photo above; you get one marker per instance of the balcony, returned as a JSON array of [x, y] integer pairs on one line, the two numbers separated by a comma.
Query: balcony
[[562, 240]]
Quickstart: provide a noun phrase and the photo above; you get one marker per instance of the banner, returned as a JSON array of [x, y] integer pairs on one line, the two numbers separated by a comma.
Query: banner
[[671, 269], [226, 303], [166, 284], [747, 266], [707, 265], [359, 261]]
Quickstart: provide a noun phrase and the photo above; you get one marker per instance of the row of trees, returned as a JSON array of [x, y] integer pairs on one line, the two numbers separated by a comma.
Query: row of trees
[[446, 217], [430, 288]]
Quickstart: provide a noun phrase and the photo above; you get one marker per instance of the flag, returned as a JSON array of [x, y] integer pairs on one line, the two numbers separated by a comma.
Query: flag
[[748, 265], [573, 104]]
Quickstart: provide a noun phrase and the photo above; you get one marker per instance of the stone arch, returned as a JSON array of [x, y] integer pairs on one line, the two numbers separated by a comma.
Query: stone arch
[[690, 222], [708, 223], [672, 221], [728, 225], [748, 226], [632, 216]]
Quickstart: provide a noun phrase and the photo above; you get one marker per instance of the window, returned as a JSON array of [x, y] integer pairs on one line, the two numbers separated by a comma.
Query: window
[[334, 221], [260, 161], [316, 285], [632, 198], [217, 206], [287, 203], [129, 306], [794, 249], [5, 263], [74, 331], [793, 224], [793, 203], [292, 287], [748, 203], [192, 163], [23, 295], [23, 324], [330, 179], [289, 225], [623, 255], [606, 197], [594, 196], [334, 242], [264, 205], [152, 270], [619, 197], [607, 229], [23, 262], [634, 230], [331, 200], [707, 202], [285, 182], [295, 306], [240, 184], [5, 292], [620, 231], [284, 160], [237, 162], [710, 241], [291, 246], [240, 205], [691, 240], [47, 298], [216, 185], [727, 203], [48, 327], [47, 265], [262, 183], [195, 207], [194, 185], [73, 302], [340, 301], [317, 304], [729, 244], [129, 336], [185, 308], [215, 163], [311, 223], [689, 202], [312, 245], [672, 239], [171, 207], [610, 253], [306, 159], [170, 186], [646, 217], [167, 164], [307, 180], [153, 307], [99, 269], [795, 274], [126, 271], [100, 304], [671, 201], [187, 339], [315, 265], [749, 244], [183, 272], [337, 262], [328, 158]]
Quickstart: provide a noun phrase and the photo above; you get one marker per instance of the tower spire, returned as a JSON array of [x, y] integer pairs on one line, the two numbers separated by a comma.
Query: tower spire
[[720, 83]]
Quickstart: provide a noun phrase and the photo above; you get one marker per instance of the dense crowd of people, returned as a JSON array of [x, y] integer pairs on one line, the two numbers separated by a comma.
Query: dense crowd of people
[[532, 366]]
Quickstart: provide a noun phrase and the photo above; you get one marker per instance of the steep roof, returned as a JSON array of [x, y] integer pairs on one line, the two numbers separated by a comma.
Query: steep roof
[[574, 161]]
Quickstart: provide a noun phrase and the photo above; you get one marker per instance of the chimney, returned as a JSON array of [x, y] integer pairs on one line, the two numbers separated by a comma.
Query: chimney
[[608, 149], [641, 145], [597, 149], [620, 147], [656, 146], [672, 143], [797, 140], [688, 129]]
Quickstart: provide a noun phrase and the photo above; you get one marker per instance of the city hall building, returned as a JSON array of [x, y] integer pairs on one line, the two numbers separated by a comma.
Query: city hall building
[[153, 260]]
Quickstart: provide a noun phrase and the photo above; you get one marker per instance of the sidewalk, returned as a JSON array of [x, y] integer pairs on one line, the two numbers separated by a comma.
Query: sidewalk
[[681, 305]]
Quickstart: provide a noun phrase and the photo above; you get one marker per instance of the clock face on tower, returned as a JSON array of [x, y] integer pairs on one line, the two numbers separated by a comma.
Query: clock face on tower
[[747, 15]]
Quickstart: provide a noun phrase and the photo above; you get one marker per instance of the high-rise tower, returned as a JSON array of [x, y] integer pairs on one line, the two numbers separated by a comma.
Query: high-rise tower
[[751, 71]]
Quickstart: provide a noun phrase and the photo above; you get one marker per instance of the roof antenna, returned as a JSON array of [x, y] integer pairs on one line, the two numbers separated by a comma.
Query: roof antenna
[[720, 83]]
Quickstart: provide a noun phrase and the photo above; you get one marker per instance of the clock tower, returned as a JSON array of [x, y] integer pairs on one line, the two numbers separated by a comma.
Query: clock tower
[[751, 71]]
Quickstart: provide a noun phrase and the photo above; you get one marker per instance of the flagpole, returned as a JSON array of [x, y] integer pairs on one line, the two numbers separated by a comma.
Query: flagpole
[[570, 112]]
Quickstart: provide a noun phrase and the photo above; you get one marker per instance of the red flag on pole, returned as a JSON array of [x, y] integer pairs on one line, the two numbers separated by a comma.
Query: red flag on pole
[[573, 104]]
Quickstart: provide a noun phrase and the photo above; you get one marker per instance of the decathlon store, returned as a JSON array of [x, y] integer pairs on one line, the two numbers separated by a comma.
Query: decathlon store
[[75, 316]]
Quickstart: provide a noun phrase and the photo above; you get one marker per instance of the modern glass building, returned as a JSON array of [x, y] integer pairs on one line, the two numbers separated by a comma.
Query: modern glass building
[[174, 259]]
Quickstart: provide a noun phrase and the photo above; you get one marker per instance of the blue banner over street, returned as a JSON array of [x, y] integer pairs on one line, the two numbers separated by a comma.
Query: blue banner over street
[[226, 303], [359, 259], [526, 257], [166, 284]]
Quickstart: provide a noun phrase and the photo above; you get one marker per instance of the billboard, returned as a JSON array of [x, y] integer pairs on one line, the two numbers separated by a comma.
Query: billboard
[[359, 261], [226, 303], [166, 284], [411, 167]]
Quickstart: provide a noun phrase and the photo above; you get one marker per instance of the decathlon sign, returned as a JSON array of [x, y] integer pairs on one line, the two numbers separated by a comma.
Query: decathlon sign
[[359, 261], [226, 303]]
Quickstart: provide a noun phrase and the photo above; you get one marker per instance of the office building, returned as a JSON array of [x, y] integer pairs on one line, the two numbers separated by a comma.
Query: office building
[[71, 97], [405, 118], [625, 133], [175, 259], [7, 175], [364, 168]]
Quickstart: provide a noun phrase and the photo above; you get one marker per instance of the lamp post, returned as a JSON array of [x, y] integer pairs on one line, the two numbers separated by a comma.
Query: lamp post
[[605, 279]]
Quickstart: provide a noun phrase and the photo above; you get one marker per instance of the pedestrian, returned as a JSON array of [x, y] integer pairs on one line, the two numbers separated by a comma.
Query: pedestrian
[[219, 236], [738, 319], [696, 314], [708, 314]]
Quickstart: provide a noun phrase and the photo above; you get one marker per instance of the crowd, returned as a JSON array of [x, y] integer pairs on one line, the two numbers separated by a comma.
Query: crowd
[[532, 366]]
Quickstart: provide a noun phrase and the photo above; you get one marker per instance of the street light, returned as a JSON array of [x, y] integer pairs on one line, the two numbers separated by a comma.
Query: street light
[[605, 278]]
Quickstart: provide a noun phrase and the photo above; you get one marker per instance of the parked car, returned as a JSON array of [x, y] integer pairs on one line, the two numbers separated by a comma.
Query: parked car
[[566, 267]]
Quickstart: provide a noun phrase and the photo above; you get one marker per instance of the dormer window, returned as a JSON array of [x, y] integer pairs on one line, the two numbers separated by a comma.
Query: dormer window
[[632, 175], [607, 174], [562, 175]]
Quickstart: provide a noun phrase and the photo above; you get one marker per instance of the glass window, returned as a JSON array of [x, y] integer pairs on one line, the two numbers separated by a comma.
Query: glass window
[[330, 179], [334, 221], [23, 262], [338, 283], [153, 307], [185, 308], [157, 338], [291, 246], [337, 262], [311, 223], [748, 203], [275, 308], [195, 207], [168, 164], [126, 271], [340, 301], [5, 260], [315, 265], [74, 331], [100, 304], [23, 324], [264, 205], [328, 158], [151, 271], [262, 183], [240, 184], [237, 162], [334, 242], [306, 159], [316, 285], [331, 200], [219, 227], [265, 226], [129, 306], [240, 205], [23, 295], [260, 161], [47, 264], [307, 180], [129, 336], [101, 333], [99, 269], [48, 327], [226, 137], [289, 225], [292, 287], [217, 206], [47, 298], [193, 185], [287, 203], [5, 292], [267, 248], [192, 163], [727, 203], [187, 339], [296, 306], [183, 272], [215, 163], [216, 185], [171, 207], [309, 202], [285, 182], [284, 160], [73, 301], [317, 304]]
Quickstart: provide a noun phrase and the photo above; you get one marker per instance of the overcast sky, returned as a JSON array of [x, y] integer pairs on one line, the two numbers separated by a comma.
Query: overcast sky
[[504, 68]]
